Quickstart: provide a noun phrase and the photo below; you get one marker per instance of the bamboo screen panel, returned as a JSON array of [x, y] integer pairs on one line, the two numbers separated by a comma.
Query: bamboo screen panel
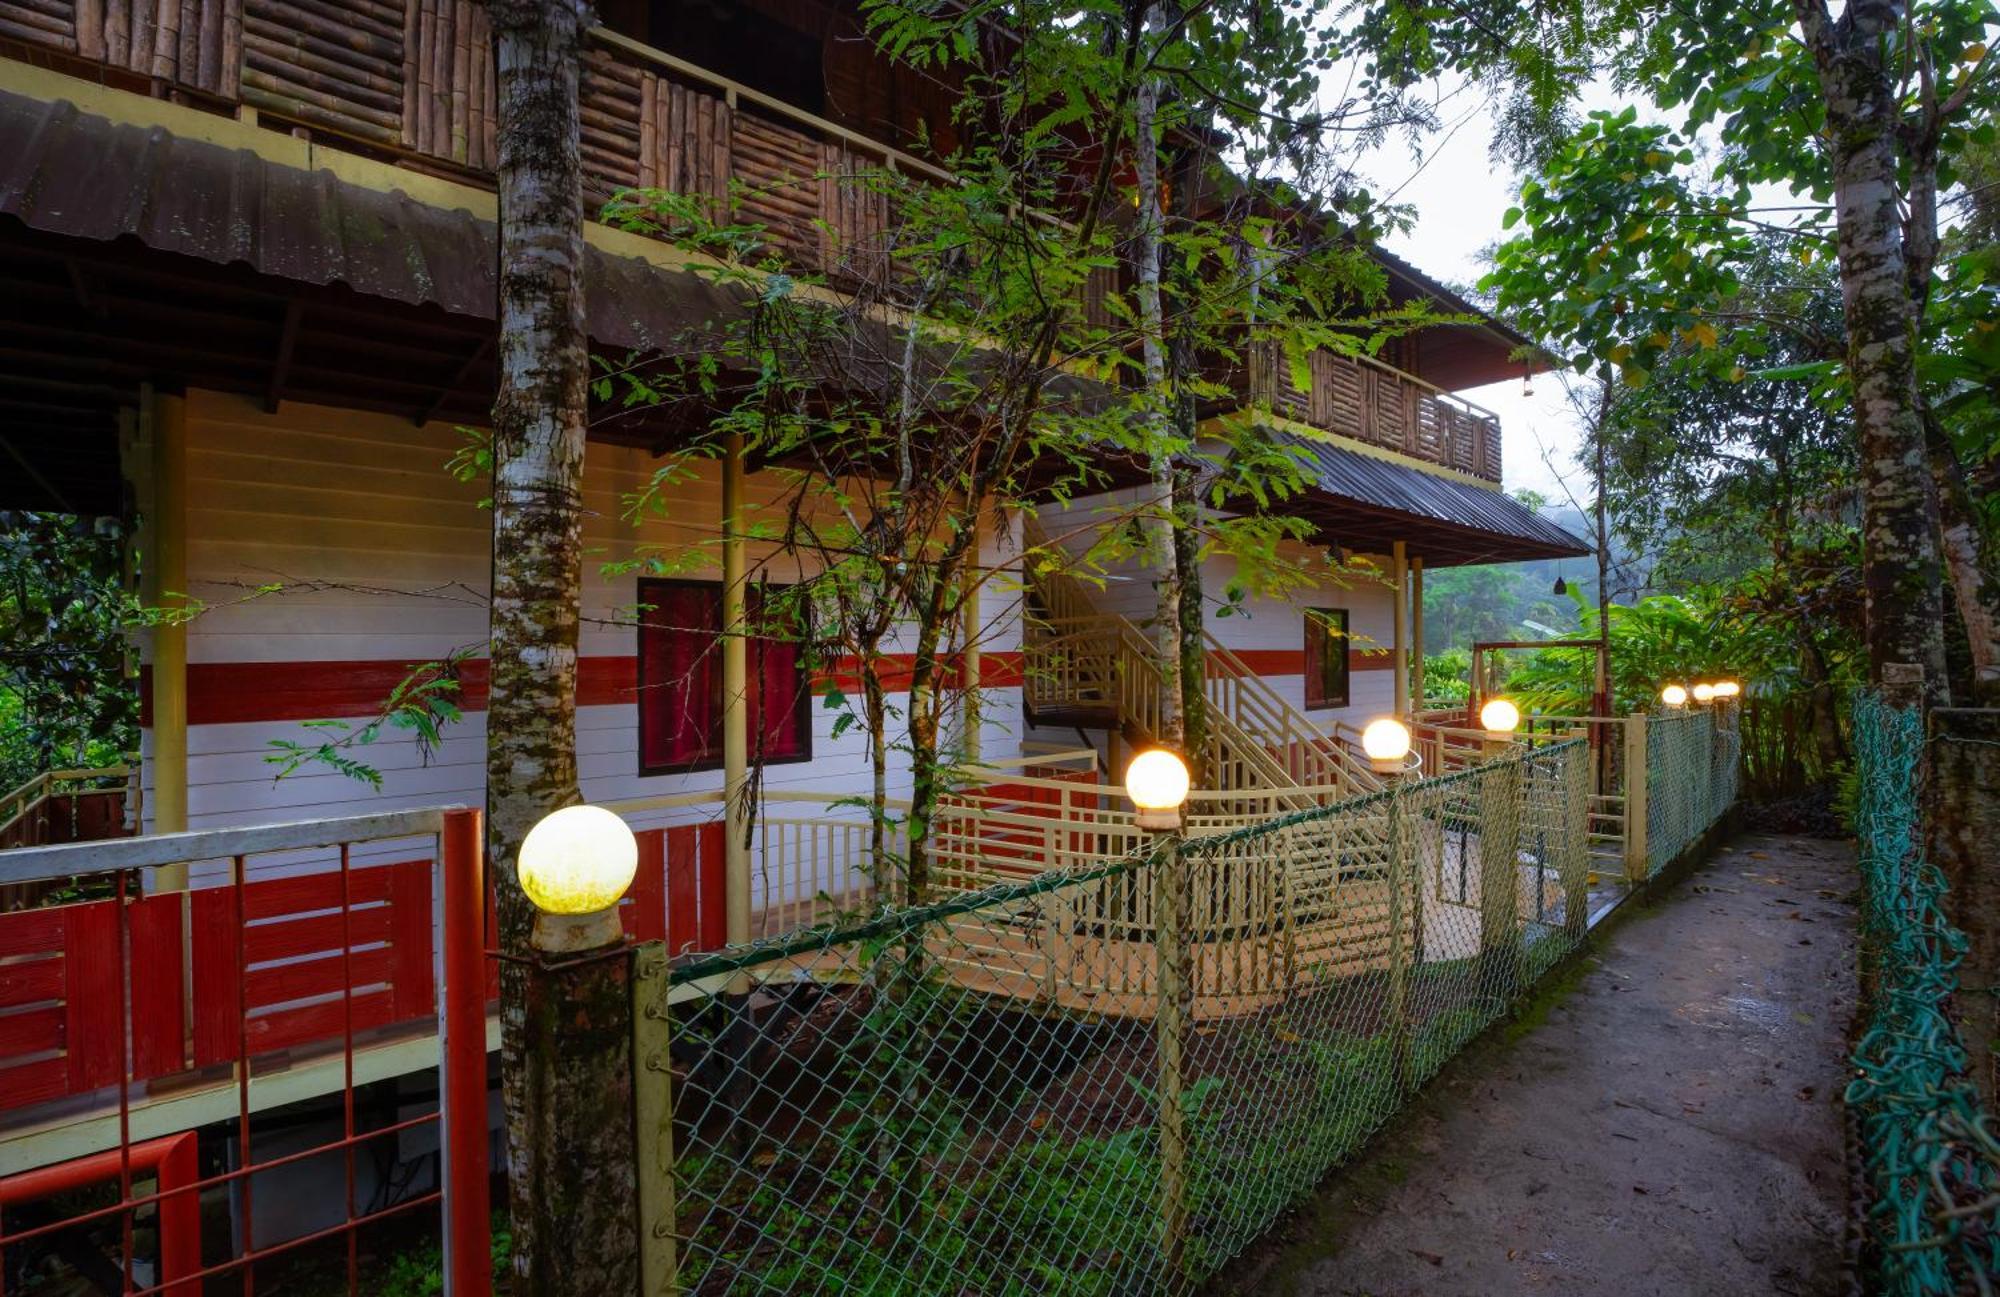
[[336, 64], [195, 43], [854, 240], [778, 170], [450, 84], [611, 100], [683, 140]]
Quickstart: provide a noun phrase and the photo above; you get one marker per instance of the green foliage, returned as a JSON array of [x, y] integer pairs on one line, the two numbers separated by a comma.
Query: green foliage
[[1447, 675], [65, 698], [421, 704]]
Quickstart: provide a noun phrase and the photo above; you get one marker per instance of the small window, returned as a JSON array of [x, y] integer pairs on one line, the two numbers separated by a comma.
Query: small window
[[680, 682], [1326, 657]]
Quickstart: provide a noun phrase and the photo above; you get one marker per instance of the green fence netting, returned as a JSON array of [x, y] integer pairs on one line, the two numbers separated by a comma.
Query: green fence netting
[[1693, 762], [1108, 1079], [1931, 1159]]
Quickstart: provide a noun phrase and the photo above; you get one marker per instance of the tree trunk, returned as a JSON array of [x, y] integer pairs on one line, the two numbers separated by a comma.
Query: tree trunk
[[565, 1033], [1968, 562], [1900, 569], [1161, 519]]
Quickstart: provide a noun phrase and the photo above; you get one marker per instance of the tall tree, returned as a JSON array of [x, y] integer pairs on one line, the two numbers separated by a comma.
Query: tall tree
[[1636, 239], [565, 1043]]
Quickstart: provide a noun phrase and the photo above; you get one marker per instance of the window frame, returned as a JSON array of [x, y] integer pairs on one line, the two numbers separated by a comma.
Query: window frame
[[1315, 618], [802, 705]]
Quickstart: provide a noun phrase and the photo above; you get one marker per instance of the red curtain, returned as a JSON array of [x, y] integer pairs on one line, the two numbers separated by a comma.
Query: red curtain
[[680, 679], [680, 675]]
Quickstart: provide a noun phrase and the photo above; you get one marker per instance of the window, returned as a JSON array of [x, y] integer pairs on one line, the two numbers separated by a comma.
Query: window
[[680, 682], [1326, 657]]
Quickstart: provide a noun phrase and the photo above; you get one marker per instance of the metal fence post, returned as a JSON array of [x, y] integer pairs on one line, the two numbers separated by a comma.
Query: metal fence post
[[653, 1124], [1170, 1024], [1574, 863], [1402, 944], [1636, 794], [468, 1221], [1499, 878]]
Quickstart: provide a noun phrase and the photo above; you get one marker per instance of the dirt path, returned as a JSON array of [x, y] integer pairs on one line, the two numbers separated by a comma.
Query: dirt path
[[1668, 1126]]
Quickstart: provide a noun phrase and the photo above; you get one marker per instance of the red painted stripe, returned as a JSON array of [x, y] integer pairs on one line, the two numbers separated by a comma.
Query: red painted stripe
[[233, 693], [1292, 662], [714, 887], [226, 693], [683, 929]]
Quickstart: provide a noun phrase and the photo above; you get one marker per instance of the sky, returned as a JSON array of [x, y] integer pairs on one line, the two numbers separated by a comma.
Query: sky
[[1459, 195]]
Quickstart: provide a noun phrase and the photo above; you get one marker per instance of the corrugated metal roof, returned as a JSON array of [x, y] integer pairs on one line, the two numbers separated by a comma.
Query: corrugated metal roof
[[67, 172], [1446, 521]]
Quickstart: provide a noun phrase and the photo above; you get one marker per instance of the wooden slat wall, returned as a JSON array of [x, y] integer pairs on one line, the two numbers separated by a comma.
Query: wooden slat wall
[[611, 101], [194, 43], [855, 240], [684, 140], [778, 169], [333, 63], [49, 23], [450, 101]]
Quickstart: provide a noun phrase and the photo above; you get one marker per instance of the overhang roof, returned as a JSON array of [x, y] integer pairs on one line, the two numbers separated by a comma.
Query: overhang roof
[[1366, 503], [66, 172], [131, 254]]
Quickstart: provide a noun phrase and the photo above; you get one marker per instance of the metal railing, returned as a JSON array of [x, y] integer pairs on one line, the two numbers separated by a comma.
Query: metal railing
[[153, 1036]]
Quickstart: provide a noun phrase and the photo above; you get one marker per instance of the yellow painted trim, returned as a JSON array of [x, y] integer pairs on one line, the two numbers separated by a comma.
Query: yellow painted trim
[[1269, 419], [166, 417], [735, 697]]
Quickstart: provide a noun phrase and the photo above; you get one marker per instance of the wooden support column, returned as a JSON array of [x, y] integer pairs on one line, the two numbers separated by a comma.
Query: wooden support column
[[970, 700], [1500, 871], [164, 427], [1636, 794], [735, 696], [1417, 634], [1400, 566]]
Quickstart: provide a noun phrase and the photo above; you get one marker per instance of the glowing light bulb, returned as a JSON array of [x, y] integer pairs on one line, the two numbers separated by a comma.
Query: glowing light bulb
[[1674, 696], [1500, 718], [1386, 742], [578, 860], [1728, 689], [1157, 783], [1704, 693]]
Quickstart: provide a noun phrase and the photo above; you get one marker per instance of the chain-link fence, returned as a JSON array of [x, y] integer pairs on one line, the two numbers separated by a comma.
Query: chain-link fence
[[1107, 1079], [1931, 1155], [1693, 763]]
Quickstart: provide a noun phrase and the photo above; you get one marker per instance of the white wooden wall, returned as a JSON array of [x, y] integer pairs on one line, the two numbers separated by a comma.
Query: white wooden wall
[[379, 556]]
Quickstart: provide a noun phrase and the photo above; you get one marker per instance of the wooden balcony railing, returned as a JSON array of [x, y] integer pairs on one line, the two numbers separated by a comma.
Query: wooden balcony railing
[[1381, 406], [414, 81]]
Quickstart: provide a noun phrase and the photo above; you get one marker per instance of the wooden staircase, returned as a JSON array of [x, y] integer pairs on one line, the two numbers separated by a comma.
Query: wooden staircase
[[1094, 670]]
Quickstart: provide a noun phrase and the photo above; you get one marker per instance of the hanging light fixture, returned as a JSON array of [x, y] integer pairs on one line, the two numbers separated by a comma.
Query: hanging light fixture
[[1562, 586]]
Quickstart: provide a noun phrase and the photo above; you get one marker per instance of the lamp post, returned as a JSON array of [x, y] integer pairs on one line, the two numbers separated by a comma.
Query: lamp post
[[1386, 743], [576, 1005], [1157, 783]]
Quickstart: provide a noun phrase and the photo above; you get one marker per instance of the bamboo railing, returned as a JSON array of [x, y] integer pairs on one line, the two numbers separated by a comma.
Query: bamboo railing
[[1079, 661], [414, 81], [1375, 403]]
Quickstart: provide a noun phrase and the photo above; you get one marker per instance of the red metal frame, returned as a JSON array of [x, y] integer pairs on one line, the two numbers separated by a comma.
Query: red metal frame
[[172, 1160], [468, 1247], [93, 995]]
